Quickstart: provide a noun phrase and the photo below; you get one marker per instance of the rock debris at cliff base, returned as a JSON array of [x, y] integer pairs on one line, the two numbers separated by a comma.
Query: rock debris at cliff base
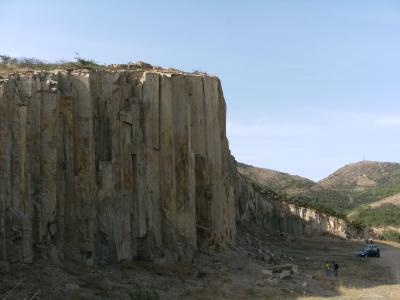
[[236, 273]]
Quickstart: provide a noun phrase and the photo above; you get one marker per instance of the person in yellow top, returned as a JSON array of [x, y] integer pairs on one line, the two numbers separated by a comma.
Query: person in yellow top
[[328, 268]]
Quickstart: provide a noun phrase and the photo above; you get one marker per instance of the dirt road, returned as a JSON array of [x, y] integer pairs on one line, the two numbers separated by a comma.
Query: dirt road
[[391, 257], [386, 288]]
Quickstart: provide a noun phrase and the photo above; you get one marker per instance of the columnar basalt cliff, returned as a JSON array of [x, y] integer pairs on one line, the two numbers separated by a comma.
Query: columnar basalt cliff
[[105, 166]]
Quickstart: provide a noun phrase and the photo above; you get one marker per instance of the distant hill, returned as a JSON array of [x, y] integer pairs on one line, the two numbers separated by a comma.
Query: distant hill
[[363, 175], [277, 181], [357, 184]]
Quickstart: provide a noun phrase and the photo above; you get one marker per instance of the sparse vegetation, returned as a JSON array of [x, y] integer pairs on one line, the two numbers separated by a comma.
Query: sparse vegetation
[[5, 59], [385, 215], [84, 62], [314, 203], [335, 201], [298, 200], [144, 295], [375, 194], [391, 235], [10, 64]]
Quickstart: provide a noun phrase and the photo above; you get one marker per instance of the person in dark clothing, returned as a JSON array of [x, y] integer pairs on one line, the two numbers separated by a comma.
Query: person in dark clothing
[[336, 268]]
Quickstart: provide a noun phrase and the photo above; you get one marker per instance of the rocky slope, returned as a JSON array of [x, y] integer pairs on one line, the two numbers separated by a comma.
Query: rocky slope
[[101, 166]]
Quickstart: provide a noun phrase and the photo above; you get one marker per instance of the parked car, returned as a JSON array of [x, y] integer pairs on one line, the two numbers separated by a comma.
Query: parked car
[[370, 251]]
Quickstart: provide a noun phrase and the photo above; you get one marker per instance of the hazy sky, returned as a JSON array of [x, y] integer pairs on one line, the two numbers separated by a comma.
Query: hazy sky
[[310, 85]]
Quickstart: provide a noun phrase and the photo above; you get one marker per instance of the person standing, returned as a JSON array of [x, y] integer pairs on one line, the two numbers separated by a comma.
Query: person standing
[[327, 268], [336, 268]]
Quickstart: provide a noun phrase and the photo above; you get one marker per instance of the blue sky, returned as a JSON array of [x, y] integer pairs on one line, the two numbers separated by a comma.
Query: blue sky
[[310, 85]]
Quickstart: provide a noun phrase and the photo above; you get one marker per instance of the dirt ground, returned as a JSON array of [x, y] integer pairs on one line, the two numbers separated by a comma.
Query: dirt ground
[[236, 273]]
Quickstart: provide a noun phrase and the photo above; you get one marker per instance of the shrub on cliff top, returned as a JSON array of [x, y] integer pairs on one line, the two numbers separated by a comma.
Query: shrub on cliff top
[[16, 63]]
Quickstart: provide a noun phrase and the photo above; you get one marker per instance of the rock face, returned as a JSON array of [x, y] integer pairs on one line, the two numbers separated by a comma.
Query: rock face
[[105, 166], [274, 215]]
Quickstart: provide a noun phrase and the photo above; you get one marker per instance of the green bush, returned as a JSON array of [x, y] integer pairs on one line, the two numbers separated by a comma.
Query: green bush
[[391, 235], [84, 62], [384, 215]]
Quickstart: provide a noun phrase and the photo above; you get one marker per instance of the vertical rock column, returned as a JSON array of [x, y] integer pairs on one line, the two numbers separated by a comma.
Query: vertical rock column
[[215, 207], [15, 216], [184, 160], [203, 193], [116, 183], [149, 164], [5, 149], [49, 117], [68, 232], [83, 210], [176, 171]]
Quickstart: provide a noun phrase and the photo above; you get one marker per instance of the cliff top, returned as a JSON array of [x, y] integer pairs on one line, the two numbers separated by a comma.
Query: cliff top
[[26, 66]]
